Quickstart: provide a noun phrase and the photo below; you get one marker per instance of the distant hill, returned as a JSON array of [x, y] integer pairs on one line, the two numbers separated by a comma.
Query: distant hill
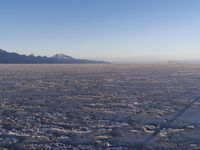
[[185, 62], [14, 58]]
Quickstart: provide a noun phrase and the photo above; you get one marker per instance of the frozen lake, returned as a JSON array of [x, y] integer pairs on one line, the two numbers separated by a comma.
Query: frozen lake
[[99, 106]]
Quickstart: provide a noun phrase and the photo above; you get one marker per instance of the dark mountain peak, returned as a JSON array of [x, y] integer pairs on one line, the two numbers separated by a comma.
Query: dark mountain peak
[[2, 51], [14, 58], [62, 57], [31, 55]]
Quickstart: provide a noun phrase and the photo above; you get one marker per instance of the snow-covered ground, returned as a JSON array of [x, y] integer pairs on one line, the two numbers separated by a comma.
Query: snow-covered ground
[[99, 106]]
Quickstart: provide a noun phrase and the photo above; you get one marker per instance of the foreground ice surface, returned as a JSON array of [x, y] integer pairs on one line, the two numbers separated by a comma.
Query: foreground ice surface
[[98, 106]]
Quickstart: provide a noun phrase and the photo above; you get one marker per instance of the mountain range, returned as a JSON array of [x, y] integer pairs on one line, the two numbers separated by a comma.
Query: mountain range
[[15, 58]]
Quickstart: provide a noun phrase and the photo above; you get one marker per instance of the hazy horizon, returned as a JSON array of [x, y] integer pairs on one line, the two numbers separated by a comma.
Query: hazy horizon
[[111, 30]]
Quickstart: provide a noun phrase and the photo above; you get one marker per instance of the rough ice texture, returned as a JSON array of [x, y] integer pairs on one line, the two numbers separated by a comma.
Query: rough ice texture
[[98, 106]]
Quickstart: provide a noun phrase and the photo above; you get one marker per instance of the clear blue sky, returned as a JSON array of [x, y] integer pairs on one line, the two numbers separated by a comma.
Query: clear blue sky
[[102, 29]]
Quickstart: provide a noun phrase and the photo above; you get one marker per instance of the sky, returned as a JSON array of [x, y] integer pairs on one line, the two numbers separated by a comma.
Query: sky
[[117, 30]]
